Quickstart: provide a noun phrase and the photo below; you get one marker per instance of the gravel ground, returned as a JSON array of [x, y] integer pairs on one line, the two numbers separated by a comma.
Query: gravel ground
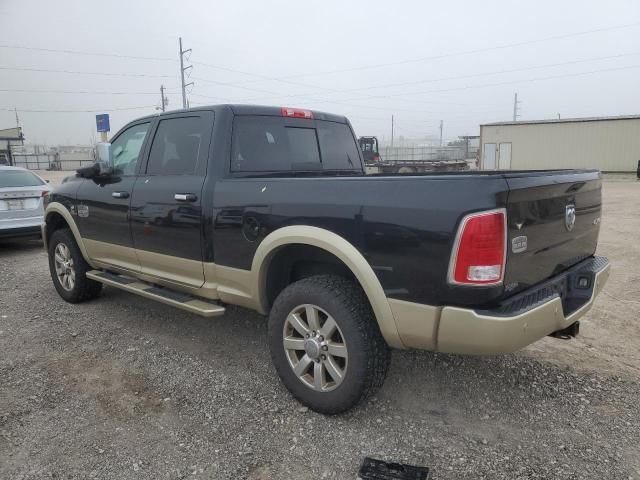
[[123, 388]]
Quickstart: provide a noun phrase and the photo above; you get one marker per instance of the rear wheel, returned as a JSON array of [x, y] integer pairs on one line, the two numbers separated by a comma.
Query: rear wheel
[[68, 269], [326, 344]]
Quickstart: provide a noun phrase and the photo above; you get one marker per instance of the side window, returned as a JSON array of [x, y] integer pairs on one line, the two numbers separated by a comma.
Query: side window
[[125, 149], [266, 144], [338, 147], [176, 146]]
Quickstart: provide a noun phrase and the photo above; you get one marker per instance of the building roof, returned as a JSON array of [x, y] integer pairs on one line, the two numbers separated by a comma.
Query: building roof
[[564, 120], [11, 134]]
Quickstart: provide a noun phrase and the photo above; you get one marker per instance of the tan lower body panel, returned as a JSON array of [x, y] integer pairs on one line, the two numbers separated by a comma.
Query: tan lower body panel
[[194, 305], [174, 269], [232, 285], [207, 280], [417, 323], [241, 287], [111, 254], [461, 330], [465, 331]]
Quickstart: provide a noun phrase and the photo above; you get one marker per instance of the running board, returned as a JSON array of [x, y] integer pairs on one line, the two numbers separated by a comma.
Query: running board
[[184, 301]]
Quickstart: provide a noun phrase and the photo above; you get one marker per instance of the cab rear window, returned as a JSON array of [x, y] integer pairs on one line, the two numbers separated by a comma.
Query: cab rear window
[[269, 144], [18, 178]]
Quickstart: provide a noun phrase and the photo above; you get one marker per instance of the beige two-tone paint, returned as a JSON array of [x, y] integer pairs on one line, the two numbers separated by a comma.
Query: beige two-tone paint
[[402, 324], [231, 285]]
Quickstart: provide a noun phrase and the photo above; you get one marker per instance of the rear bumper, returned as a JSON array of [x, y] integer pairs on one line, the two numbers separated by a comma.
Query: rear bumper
[[518, 322], [21, 227], [19, 232]]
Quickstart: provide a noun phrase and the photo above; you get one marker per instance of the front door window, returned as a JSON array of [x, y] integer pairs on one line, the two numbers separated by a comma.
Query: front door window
[[126, 149]]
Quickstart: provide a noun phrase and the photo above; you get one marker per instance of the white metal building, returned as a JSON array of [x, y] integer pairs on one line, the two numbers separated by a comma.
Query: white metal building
[[611, 144]]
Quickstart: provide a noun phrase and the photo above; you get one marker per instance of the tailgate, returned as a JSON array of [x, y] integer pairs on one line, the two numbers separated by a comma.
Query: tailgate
[[553, 223]]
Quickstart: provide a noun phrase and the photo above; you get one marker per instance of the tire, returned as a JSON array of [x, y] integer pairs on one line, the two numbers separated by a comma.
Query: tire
[[74, 287], [356, 336]]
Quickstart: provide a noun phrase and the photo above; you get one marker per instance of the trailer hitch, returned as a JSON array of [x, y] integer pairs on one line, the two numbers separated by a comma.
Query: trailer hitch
[[567, 333]]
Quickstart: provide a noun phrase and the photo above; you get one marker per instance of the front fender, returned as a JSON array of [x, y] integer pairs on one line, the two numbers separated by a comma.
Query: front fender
[[59, 208]]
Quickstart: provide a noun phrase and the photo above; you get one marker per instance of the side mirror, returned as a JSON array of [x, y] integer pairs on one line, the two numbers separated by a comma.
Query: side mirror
[[104, 158]]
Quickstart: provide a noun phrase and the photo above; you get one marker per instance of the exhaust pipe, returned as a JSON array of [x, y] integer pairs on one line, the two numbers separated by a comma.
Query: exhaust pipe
[[567, 333]]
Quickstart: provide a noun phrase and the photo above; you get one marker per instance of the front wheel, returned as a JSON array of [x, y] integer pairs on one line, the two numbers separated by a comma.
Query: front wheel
[[325, 343], [68, 269]]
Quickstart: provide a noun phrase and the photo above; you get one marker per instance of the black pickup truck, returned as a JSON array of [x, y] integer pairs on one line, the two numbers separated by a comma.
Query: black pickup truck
[[269, 208]]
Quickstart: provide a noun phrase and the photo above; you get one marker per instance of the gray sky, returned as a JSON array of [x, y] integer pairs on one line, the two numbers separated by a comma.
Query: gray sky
[[459, 61]]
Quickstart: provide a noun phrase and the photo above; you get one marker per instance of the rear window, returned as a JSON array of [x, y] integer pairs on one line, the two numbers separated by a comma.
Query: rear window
[[269, 144], [338, 147], [19, 178]]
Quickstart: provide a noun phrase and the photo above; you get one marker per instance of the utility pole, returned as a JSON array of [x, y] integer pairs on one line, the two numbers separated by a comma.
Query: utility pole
[[182, 70], [392, 130], [15, 109], [441, 125], [515, 107], [163, 99]]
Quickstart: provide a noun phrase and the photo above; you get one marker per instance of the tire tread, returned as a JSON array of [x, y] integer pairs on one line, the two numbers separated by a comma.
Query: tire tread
[[351, 296]]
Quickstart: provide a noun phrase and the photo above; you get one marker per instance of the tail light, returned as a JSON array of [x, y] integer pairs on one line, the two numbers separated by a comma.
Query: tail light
[[45, 193], [296, 113], [479, 252]]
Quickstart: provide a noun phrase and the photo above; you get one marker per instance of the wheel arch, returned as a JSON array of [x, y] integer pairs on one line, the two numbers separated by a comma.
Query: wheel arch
[[336, 246], [56, 217]]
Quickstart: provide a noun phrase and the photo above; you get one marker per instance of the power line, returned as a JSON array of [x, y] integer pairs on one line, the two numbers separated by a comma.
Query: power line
[[345, 102], [466, 52], [257, 75], [226, 84], [511, 82], [75, 92], [415, 82], [94, 54], [27, 110], [307, 74], [77, 72], [495, 72]]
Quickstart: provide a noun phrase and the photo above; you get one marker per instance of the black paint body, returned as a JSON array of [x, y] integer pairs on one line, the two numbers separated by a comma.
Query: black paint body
[[404, 225]]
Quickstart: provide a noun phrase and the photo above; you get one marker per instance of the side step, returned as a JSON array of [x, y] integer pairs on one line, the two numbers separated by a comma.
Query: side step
[[184, 301]]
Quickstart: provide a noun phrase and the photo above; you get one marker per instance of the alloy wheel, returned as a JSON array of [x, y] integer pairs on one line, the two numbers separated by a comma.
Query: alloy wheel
[[63, 262], [315, 347]]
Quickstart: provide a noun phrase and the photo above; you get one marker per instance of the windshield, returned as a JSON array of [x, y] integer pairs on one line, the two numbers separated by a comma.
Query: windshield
[[19, 178]]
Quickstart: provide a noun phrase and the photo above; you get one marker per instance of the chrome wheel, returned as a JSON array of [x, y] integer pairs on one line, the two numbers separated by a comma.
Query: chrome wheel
[[63, 262], [315, 347]]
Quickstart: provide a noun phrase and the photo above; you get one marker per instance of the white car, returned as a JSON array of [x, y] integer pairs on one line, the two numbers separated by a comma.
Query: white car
[[21, 195]]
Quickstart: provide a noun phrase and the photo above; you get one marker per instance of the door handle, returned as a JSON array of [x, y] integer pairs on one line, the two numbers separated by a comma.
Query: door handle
[[185, 197], [120, 194]]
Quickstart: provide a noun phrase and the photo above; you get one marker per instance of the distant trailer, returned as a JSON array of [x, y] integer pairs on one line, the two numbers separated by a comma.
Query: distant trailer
[[416, 166]]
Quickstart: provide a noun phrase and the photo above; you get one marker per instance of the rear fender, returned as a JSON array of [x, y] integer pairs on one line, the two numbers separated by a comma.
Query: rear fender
[[343, 250]]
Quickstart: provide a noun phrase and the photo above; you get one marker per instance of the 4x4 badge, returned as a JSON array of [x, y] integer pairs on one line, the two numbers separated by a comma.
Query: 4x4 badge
[[519, 244], [570, 216]]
